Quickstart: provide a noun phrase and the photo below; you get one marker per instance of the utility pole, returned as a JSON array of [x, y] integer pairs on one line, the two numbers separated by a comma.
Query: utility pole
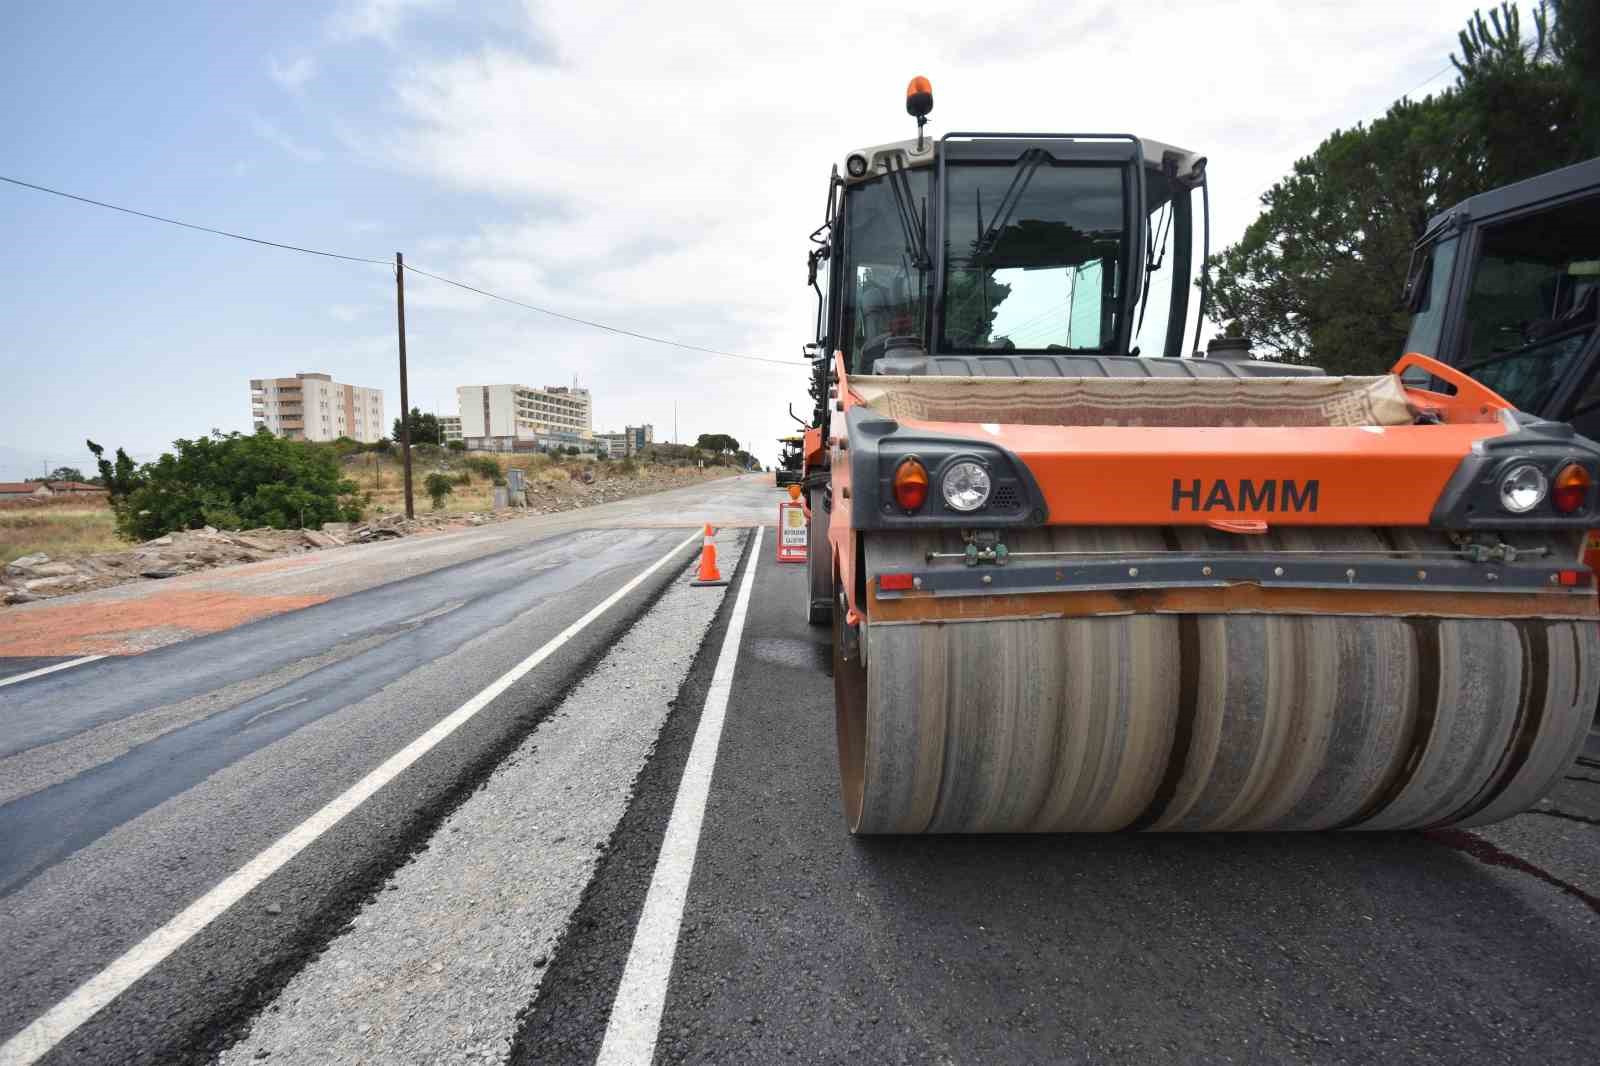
[[405, 396]]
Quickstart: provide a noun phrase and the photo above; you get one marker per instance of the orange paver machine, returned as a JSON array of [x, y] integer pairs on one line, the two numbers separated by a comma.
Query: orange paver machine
[[1079, 580]]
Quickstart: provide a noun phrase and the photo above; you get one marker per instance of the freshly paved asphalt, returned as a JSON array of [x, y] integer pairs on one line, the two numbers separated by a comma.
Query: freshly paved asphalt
[[132, 785], [799, 943], [802, 944]]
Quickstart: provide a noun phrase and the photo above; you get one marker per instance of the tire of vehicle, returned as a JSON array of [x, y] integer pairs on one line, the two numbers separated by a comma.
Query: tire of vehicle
[[819, 560]]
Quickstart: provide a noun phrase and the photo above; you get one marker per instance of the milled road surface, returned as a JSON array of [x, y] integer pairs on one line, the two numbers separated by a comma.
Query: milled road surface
[[484, 905]]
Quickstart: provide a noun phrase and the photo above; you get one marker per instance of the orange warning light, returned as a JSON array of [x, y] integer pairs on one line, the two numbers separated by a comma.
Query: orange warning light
[[919, 97], [794, 492], [910, 484]]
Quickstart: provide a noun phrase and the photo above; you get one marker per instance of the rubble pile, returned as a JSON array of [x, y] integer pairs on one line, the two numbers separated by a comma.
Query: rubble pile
[[38, 576]]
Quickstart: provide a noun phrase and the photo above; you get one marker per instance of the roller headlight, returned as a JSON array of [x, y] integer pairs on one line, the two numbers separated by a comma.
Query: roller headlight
[[856, 165], [965, 486], [1522, 488]]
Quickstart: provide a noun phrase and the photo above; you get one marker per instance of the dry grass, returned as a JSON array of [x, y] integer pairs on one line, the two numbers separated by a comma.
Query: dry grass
[[61, 531]]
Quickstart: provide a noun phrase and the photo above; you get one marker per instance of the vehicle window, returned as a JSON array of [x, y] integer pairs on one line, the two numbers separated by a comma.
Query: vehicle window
[[1429, 317], [1033, 256], [1158, 308], [884, 291], [1534, 302]]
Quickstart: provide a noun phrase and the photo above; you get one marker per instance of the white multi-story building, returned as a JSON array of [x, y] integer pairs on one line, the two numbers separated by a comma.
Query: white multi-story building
[[450, 427], [316, 407], [504, 416], [630, 442]]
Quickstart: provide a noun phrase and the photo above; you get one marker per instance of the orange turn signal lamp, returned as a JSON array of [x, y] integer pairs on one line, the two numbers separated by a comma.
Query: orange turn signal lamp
[[910, 484], [1571, 488]]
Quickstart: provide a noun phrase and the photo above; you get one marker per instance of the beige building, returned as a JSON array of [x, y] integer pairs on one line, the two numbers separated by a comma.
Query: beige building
[[316, 407], [449, 428], [502, 415]]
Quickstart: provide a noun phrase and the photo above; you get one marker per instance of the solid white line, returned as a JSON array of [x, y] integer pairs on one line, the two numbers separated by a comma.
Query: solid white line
[[636, 1013], [50, 669], [34, 1042]]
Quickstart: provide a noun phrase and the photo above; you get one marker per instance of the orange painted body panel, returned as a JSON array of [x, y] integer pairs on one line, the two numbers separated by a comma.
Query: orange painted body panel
[[1125, 476], [812, 449]]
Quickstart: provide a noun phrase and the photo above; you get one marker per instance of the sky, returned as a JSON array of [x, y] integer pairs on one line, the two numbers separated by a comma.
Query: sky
[[656, 167]]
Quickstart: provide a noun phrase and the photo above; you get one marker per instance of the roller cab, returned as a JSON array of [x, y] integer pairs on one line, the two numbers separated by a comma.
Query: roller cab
[[1081, 582]]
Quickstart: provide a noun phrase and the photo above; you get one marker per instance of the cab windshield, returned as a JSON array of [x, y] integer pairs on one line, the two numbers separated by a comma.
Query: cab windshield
[[1534, 302], [885, 291], [1033, 254]]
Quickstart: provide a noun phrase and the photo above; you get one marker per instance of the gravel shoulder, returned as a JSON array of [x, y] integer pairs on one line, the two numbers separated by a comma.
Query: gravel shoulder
[[437, 967]]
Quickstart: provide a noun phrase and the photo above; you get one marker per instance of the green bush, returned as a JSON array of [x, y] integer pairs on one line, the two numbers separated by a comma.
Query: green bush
[[462, 478], [456, 445], [483, 466], [438, 485], [234, 480]]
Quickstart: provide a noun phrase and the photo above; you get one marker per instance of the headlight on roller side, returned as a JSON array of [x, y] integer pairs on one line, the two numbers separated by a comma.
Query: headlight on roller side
[[965, 486], [1522, 488]]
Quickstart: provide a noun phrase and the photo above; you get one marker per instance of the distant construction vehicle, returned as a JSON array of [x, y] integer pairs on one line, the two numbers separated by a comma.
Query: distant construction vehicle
[[1073, 589], [1505, 286], [790, 469]]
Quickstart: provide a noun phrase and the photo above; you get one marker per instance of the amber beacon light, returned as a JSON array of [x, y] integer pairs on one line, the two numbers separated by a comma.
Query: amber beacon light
[[919, 101]]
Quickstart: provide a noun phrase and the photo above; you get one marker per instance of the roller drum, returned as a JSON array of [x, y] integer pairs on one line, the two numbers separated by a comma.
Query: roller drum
[[1204, 722]]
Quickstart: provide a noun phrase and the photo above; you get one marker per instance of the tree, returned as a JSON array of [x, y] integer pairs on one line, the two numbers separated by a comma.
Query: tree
[[229, 480], [61, 473], [1317, 277], [119, 480], [438, 486], [719, 443], [424, 428]]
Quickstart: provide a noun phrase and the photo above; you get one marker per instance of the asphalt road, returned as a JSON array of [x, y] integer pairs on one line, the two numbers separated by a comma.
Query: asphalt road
[[132, 786], [666, 778]]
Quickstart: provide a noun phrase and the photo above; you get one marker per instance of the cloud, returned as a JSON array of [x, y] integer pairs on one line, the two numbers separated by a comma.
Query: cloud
[[275, 136], [378, 19], [294, 74], [663, 175]]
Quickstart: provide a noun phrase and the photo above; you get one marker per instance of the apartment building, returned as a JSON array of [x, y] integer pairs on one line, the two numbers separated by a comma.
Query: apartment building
[[520, 417], [316, 407], [631, 441], [450, 427]]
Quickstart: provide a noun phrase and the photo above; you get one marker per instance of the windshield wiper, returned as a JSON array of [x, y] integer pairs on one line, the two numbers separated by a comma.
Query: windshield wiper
[[913, 226], [1033, 159]]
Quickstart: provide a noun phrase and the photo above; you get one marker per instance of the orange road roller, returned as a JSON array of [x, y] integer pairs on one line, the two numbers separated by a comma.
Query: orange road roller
[[1082, 577]]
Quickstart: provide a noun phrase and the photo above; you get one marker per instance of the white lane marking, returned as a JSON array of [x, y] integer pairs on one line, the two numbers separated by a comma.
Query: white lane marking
[[636, 1013], [56, 1024], [50, 669]]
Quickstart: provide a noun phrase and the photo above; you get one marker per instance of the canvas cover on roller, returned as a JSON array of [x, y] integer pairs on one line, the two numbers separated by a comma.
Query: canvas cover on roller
[[1190, 402]]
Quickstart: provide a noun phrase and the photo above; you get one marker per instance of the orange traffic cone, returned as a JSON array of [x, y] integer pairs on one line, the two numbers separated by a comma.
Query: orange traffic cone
[[708, 561]]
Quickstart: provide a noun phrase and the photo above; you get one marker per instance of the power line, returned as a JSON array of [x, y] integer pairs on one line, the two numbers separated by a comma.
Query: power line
[[386, 262], [601, 325], [191, 225], [1430, 78]]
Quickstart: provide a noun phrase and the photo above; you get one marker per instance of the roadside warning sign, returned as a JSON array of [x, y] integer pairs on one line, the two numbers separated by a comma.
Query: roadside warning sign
[[791, 532]]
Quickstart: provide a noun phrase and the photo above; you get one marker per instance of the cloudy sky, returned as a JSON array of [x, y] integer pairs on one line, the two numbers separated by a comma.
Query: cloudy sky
[[653, 166]]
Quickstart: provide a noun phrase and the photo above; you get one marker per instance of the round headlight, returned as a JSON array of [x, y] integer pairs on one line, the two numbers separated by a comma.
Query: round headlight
[[965, 486], [1523, 488], [856, 165]]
